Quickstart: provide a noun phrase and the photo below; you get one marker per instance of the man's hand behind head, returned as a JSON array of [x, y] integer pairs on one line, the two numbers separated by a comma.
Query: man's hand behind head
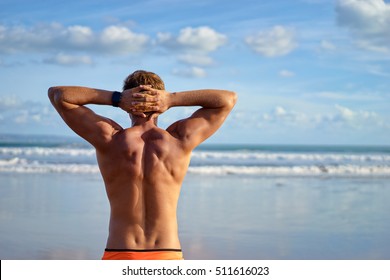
[[135, 104], [148, 99]]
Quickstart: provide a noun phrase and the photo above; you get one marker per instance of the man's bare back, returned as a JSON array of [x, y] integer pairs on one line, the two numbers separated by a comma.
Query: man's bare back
[[143, 177], [143, 166]]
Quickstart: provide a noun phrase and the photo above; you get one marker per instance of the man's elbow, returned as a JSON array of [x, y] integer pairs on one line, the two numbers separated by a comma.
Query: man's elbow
[[232, 99], [54, 94], [51, 92]]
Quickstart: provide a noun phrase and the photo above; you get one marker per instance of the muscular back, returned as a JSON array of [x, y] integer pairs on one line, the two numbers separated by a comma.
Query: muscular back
[[143, 168]]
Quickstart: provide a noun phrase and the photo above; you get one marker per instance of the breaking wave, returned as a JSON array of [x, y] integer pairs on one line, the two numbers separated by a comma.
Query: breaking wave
[[223, 162]]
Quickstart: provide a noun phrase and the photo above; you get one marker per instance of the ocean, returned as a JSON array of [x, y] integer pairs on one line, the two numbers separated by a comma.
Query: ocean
[[237, 201], [70, 155]]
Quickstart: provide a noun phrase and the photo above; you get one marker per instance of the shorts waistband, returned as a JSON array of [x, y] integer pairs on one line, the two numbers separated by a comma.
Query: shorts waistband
[[142, 250], [143, 254]]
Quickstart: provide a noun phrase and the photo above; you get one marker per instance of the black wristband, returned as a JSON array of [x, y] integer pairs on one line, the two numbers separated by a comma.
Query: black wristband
[[116, 98]]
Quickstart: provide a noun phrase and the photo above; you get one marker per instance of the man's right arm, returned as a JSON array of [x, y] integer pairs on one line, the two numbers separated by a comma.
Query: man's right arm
[[215, 107]]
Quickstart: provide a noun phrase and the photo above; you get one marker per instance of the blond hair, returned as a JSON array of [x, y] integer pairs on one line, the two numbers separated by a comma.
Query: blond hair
[[141, 77]]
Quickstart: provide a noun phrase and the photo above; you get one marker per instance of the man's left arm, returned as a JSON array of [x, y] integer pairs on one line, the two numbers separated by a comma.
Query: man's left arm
[[69, 101]]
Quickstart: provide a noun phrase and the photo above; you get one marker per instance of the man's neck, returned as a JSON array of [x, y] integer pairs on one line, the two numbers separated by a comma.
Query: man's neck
[[139, 121]]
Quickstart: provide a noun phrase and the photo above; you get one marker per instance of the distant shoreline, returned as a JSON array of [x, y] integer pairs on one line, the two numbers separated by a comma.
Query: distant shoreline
[[27, 140]]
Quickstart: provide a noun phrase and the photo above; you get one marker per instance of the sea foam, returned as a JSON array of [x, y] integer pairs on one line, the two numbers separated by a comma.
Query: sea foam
[[238, 162]]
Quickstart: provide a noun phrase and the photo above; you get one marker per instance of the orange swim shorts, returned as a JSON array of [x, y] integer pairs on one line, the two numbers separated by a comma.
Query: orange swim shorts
[[153, 254]]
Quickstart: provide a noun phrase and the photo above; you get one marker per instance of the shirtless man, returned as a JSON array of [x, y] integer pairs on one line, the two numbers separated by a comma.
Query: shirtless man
[[142, 166]]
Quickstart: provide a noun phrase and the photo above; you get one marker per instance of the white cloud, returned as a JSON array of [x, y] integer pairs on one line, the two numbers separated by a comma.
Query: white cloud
[[344, 113], [191, 72], [368, 21], [355, 119], [56, 37], [281, 115], [74, 45], [78, 35], [339, 117], [121, 40], [17, 112], [280, 111], [347, 119], [204, 39], [193, 45], [9, 103], [326, 45], [201, 39], [278, 41], [21, 118], [164, 38], [196, 59], [286, 73], [69, 60]]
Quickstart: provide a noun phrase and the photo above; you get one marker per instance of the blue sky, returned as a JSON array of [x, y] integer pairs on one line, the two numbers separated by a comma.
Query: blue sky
[[305, 71]]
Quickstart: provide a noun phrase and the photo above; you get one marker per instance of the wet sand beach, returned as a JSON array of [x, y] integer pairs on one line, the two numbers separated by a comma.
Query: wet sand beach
[[65, 216]]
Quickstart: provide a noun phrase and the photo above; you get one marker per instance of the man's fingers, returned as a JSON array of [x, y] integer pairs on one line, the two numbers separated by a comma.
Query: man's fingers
[[146, 87], [136, 89], [145, 97], [144, 106], [141, 88]]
